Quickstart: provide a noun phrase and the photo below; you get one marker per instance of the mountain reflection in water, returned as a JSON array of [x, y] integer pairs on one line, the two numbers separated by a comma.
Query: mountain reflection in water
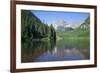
[[44, 51]]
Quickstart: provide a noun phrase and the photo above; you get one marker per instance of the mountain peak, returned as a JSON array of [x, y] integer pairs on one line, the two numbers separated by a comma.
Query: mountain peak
[[61, 23]]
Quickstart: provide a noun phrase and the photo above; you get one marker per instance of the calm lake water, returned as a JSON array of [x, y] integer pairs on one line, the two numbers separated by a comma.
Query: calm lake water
[[60, 50]]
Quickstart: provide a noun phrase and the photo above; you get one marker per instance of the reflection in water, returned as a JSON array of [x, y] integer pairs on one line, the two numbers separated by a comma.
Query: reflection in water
[[42, 51]]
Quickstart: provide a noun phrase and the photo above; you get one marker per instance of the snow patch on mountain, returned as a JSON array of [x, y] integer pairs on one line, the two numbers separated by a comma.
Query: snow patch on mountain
[[62, 24]]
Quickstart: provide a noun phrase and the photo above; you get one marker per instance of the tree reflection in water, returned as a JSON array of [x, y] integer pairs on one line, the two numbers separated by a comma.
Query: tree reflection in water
[[42, 51]]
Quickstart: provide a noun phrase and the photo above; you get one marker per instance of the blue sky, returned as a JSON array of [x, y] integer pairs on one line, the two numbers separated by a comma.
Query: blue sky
[[50, 17]]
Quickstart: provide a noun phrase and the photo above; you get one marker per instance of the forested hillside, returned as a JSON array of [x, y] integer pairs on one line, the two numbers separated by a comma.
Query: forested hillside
[[32, 28]]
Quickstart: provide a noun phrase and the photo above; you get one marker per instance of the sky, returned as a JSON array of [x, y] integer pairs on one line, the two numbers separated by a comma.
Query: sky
[[50, 17]]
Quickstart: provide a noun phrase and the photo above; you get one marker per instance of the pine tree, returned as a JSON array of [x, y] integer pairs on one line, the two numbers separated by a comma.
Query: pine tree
[[52, 33]]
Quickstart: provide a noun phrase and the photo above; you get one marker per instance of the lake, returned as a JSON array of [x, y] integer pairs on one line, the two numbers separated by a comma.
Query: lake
[[60, 50]]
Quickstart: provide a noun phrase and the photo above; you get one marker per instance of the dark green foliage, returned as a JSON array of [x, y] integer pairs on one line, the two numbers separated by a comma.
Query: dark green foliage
[[32, 28], [52, 32], [87, 21], [86, 24], [69, 29]]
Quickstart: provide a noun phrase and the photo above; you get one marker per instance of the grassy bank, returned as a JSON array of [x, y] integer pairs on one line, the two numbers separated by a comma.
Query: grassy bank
[[74, 34]]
